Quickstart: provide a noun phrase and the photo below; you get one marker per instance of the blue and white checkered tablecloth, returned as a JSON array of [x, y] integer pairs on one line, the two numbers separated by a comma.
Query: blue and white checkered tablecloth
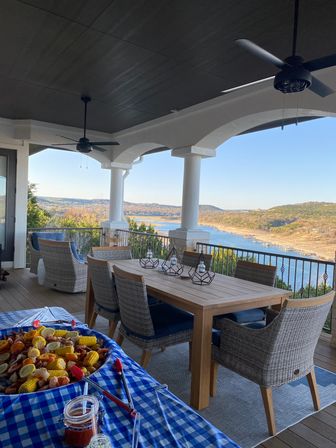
[[35, 420]]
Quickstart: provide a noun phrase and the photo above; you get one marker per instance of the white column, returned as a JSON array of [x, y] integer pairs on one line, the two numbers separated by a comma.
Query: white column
[[191, 187], [116, 209], [116, 194], [188, 234]]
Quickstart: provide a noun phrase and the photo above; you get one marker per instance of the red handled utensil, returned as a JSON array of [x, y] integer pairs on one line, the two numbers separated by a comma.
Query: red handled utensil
[[79, 375], [120, 370], [37, 322]]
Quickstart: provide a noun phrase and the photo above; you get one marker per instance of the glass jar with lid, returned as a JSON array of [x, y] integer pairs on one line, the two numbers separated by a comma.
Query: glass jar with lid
[[81, 420]]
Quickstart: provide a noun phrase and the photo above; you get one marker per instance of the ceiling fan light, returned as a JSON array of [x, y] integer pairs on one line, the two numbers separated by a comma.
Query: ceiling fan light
[[293, 80], [84, 147]]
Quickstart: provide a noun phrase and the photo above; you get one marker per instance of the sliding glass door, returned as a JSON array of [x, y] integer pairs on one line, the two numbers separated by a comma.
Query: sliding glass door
[[7, 202]]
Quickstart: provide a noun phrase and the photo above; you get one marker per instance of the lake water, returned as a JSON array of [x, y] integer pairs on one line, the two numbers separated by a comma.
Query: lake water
[[294, 273], [224, 238]]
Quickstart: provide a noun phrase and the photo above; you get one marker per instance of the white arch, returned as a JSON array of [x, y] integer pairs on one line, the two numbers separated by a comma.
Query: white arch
[[133, 152], [235, 127]]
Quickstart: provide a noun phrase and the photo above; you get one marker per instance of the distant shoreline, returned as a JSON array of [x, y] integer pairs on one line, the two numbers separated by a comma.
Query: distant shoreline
[[320, 250]]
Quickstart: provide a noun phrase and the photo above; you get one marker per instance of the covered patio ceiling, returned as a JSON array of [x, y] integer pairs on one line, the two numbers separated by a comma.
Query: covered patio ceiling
[[141, 60]]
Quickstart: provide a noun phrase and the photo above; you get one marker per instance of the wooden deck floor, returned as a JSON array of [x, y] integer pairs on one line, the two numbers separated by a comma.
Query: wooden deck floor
[[22, 291]]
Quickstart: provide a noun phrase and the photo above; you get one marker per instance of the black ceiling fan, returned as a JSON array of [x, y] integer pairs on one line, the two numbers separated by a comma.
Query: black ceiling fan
[[84, 145], [295, 74]]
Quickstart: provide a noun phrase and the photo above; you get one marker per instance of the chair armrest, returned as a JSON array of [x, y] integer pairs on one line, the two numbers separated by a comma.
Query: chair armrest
[[32, 249], [80, 267], [242, 341]]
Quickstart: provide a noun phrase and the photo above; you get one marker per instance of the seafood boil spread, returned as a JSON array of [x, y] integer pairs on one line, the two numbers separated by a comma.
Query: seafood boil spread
[[42, 358]]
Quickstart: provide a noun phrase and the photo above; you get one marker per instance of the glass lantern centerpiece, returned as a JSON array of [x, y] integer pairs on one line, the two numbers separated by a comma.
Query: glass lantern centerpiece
[[148, 262], [172, 265], [200, 275]]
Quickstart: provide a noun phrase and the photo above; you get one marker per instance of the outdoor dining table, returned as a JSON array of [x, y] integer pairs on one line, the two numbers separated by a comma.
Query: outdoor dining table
[[35, 419], [224, 295]]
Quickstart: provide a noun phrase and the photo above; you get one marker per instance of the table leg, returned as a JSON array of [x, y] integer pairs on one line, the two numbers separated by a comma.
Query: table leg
[[89, 303], [201, 360]]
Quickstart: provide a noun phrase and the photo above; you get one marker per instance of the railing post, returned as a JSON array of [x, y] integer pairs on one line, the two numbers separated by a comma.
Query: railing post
[[333, 310]]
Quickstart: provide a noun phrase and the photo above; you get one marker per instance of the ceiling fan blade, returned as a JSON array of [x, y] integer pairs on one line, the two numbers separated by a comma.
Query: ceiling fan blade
[[104, 143], [260, 52], [320, 88], [319, 64], [68, 138], [64, 144], [97, 148]]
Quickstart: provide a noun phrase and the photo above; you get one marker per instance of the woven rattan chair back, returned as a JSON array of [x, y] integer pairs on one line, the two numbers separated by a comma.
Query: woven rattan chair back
[[293, 336], [255, 272], [112, 252], [190, 258], [133, 303], [57, 256], [102, 283], [63, 271]]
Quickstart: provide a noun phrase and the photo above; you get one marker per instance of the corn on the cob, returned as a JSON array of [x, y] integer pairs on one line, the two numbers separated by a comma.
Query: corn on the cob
[[91, 358], [29, 386], [61, 351], [60, 333], [57, 372], [39, 342], [87, 340], [39, 329], [57, 364]]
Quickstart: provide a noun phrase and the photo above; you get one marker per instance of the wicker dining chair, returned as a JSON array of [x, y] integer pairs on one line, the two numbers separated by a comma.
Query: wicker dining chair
[[112, 252], [148, 326], [63, 271], [253, 272], [190, 258], [277, 354], [105, 294]]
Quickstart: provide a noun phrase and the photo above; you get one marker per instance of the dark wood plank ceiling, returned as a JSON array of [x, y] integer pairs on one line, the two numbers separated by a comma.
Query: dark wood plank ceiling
[[140, 59]]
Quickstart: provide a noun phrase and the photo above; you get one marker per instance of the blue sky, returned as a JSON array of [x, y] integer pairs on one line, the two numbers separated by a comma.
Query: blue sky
[[258, 170]]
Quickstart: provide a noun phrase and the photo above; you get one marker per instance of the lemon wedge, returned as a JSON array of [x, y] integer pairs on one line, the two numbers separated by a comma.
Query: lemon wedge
[[3, 367], [52, 346], [27, 370], [47, 332]]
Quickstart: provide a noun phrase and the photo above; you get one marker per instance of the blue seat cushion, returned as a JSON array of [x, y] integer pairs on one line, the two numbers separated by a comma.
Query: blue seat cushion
[[153, 300], [216, 337], [244, 317], [169, 320], [75, 253], [57, 236]]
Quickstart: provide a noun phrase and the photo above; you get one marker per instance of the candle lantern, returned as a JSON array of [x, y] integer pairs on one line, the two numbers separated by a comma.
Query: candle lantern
[[172, 265], [200, 275], [148, 262]]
